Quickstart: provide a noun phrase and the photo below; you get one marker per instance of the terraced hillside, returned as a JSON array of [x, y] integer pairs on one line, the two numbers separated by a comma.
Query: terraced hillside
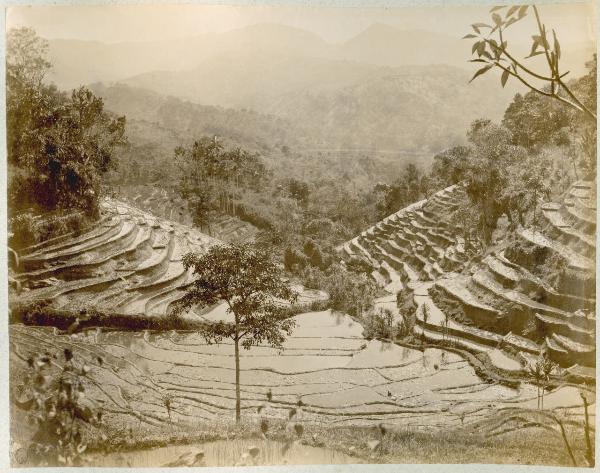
[[534, 290], [326, 373], [412, 244], [129, 263], [166, 203]]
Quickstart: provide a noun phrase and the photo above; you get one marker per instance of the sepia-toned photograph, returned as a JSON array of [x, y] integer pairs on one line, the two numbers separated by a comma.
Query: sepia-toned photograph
[[260, 234]]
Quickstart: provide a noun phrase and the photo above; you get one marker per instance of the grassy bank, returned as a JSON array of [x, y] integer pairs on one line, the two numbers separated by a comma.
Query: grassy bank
[[464, 444]]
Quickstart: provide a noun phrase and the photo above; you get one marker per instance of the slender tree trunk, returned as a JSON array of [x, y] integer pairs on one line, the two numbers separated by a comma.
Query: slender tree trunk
[[589, 456], [543, 389], [535, 226], [237, 379], [565, 440], [575, 169]]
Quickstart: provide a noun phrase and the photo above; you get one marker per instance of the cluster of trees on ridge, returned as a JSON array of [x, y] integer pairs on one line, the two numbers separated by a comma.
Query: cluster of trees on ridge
[[59, 145]]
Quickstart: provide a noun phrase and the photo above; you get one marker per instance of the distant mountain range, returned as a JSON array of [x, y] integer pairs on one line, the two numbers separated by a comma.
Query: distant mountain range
[[82, 62], [268, 85]]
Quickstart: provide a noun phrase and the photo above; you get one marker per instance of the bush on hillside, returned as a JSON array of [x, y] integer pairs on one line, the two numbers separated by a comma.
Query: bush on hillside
[[294, 260], [26, 229], [56, 404], [359, 265], [349, 292], [379, 325], [253, 216]]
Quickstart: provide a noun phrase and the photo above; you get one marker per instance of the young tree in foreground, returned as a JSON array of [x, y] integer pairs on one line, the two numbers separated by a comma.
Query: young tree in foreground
[[251, 285]]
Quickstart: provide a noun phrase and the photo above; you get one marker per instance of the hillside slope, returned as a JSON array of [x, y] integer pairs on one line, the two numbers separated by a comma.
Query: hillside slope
[[167, 203], [311, 103], [129, 263], [533, 291], [151, 114], [341, 104]]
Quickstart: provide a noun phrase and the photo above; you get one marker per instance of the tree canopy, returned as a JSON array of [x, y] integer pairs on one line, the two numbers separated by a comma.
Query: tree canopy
[[59, 145], [251, 284], [211, 177], [535, 121]]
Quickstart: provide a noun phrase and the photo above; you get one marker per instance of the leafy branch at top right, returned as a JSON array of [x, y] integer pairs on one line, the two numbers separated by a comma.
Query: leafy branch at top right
[[492, 51]]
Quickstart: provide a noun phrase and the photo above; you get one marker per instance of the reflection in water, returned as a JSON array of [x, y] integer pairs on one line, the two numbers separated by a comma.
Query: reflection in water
[[339, 318], [405, 353], [339, 376]]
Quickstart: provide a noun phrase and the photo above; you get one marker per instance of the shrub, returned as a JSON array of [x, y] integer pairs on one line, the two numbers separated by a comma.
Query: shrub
[[359, 265], [293, 260], [251, 215], [25, 230], [406, 302], [28, 229], [379, 324], [313, 278], [56, 405]]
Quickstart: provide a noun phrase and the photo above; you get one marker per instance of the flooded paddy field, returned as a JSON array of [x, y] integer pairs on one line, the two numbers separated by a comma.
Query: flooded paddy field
[[327, 373]]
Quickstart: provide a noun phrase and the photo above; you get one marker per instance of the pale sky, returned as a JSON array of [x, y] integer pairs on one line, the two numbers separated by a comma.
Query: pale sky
[[118, 23]]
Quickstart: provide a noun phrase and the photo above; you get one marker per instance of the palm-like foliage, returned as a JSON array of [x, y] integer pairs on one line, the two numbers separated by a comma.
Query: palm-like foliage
[[541, 372]]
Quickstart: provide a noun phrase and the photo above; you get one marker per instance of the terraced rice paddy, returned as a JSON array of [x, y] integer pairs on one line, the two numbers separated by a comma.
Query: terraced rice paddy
[[129, 264], [168, 204], [500, 305], [338, 377]]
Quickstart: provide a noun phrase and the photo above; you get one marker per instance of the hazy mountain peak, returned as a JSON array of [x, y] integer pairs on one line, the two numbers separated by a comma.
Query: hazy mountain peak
[[379, 28], [385, 31], [277, 29]]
